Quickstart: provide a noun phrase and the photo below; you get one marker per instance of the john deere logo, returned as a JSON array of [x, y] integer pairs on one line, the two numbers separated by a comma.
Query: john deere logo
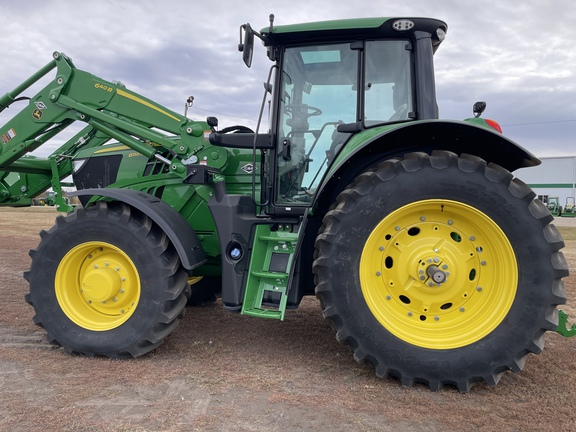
[[37, 114], [248, 168]]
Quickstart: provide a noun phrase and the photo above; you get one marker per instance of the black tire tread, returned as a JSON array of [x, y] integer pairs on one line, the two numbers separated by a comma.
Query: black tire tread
[[362, 186], [169, 267]]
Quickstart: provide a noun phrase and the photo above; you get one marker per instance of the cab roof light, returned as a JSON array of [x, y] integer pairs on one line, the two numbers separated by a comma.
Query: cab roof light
[[402, 25]]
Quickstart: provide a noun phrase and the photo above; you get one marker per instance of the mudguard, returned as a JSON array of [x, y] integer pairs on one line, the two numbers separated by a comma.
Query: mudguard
[[370, 146], [180, 233]]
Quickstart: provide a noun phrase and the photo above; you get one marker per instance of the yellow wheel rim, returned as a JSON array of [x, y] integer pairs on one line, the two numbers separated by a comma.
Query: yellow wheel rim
[[97, 286], [438, 274], [194, 279]]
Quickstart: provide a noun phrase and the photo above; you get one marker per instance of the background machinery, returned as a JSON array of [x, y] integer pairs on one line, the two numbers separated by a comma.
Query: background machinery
[[429, 259], [568, 210], [554, 206]]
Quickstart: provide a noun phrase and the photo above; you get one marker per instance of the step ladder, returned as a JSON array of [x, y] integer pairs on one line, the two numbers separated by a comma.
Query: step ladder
[[266, 293]]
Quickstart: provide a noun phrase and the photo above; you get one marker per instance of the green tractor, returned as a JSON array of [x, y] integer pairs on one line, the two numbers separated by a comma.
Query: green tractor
[[430, 260], [568, 210], [46, 199], [554, 206]]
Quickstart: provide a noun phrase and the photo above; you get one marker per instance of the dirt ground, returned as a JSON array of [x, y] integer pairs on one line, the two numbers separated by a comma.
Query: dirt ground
[[226, 372]]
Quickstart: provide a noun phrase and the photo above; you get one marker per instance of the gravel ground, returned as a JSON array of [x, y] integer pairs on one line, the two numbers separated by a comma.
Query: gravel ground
[[220, 371]]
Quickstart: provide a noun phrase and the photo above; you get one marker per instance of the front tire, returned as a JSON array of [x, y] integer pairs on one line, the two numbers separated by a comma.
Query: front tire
[[440, 270], [105, 280]]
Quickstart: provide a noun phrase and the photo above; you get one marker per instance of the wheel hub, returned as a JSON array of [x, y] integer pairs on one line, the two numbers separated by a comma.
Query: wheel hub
[[437, 275], [100, 285], [97, 286], [432, 273]]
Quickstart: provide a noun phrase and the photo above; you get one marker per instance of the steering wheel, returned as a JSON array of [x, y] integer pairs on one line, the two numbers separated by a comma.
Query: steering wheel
[[236, 129], [307, 110]]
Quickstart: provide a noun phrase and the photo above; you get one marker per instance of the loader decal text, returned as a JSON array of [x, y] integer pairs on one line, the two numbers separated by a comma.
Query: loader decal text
[[104, 87], [8, 136]]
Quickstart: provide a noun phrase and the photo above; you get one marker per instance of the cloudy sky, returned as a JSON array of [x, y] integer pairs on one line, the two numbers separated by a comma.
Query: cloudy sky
[[517, 56]]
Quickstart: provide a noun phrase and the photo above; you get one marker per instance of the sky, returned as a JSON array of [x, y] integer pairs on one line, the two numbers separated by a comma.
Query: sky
[[516, 56]]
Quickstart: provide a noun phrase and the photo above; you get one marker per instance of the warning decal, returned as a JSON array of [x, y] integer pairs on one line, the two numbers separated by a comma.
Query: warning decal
[[8, 136]]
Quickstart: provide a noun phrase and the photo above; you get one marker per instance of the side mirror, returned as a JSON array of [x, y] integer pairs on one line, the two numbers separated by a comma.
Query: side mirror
[[246, 45]]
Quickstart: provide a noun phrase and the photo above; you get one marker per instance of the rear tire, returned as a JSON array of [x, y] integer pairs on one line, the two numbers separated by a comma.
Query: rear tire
[[440, 270], [105, 280]]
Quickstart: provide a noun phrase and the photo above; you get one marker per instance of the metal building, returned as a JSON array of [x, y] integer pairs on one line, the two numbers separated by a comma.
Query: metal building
[[555, 177]]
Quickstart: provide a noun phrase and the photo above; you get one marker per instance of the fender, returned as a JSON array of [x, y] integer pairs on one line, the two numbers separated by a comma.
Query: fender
[[370, 146], [180, 233]]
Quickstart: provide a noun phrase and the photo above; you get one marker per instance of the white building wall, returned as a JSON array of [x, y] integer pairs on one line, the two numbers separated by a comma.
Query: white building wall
[[556, 176]]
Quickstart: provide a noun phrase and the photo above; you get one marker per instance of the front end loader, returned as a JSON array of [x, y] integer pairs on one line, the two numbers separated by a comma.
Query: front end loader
[[431, 261]]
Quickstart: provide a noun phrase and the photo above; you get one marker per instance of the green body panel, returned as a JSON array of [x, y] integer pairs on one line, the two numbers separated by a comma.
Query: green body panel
[[357, 23], [136, 171]]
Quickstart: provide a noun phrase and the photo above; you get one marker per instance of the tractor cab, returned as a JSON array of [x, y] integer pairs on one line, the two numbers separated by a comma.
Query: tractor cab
[[330, 81]]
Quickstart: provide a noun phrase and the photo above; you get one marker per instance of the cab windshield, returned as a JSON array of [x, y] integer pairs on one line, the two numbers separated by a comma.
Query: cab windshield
[[319, 90]]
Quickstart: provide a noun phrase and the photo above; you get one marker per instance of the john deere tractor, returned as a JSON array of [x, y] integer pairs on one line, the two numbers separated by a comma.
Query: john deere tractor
[[430, 260], [569, 208], [554, 206]]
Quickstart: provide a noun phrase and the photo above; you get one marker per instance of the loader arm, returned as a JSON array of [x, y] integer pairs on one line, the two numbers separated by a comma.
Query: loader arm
[[110, 110]]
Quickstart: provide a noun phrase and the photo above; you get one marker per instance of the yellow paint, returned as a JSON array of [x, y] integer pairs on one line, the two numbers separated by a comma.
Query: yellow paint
[[145, 103], [97, 286], [112, 148], [416, 241]]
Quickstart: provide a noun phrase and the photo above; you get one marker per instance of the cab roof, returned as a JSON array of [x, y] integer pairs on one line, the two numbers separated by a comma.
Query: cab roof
[[355, 29]]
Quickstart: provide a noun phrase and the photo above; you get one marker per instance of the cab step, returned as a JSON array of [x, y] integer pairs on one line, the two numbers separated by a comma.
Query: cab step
[[266, 291]]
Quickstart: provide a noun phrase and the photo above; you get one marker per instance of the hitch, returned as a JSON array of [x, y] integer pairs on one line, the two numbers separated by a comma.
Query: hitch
[[563, 325]]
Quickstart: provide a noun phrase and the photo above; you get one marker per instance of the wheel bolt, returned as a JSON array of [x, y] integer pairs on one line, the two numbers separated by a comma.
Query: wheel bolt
[[450, 221], [462, 309], [422, 218], [472, 238], [479, 289], [378, 273], [436, 318], [483, 263], [410, 314]]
